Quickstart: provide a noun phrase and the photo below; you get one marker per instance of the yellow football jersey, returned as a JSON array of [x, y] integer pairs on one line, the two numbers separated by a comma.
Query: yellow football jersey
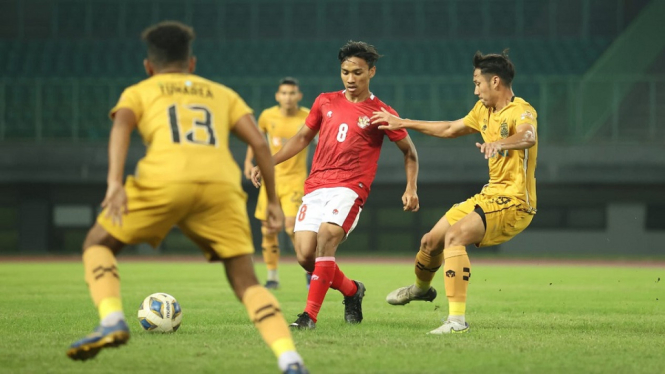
[[512, 172], [184, 121], [279, 129]]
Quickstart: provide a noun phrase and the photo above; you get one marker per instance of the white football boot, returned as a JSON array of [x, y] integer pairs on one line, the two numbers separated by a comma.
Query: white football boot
[[450, 327]]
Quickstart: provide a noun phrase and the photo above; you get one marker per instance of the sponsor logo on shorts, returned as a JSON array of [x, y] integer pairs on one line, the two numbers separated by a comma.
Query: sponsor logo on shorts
[[335, 211]]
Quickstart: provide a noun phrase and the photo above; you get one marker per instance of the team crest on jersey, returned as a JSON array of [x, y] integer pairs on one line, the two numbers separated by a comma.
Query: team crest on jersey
[[504, 130], [363, 122]]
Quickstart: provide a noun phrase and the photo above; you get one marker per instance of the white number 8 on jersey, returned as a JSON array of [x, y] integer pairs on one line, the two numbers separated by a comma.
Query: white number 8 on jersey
[[341, 134]]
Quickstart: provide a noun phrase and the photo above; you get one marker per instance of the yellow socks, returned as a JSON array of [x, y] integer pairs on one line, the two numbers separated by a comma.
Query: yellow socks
[[426, 267], [456, 271], [270, 245], [266, 315], [101, 274]]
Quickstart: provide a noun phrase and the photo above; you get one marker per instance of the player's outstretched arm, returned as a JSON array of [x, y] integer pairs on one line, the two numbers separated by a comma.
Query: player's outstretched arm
[[439, 129], [115, 201], [524, 137], [410, 197]]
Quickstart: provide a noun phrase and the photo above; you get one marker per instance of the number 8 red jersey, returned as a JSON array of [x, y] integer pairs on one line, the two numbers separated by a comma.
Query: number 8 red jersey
[[349, 145]]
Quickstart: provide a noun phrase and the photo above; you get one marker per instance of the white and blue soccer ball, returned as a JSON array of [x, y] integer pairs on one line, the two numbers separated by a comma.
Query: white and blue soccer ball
[[160, 312]]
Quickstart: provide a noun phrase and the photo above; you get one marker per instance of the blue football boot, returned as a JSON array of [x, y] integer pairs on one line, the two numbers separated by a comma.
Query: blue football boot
[[296, 368], [102, 337]]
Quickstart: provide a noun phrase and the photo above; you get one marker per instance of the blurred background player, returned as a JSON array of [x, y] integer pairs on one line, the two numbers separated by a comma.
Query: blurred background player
[[343, 169], [188, 178], [504, 207], [280, 123]]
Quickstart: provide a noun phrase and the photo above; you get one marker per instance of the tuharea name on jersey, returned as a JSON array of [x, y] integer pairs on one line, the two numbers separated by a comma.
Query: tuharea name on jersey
[[186, 89]]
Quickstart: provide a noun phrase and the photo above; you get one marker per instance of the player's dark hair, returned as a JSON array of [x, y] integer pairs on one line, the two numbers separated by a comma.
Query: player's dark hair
[[359, 49], [169, 42], [495, 64], [290, 81]]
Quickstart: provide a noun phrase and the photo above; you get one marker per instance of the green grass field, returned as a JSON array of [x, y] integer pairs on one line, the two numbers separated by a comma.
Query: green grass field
[[523, 318]]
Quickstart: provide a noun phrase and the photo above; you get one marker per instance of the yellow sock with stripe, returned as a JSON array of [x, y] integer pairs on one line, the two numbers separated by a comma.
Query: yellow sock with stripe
[[101, 274], [266, 315], [457, 271], [270, 245], [426, 267]]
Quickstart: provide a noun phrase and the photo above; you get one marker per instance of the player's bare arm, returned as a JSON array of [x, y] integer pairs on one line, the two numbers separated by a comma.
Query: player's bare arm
[[247, 170], [249, 156], [524, 138], [115, 201], [292, 147], [410, 198], [439, 129], [247, 131]]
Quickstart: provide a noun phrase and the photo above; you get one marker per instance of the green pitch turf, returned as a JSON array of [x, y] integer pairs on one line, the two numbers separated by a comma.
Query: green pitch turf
[[524, 319]]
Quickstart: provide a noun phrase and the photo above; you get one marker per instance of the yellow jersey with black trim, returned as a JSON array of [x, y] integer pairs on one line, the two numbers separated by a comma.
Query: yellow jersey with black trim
[[280, 128], [184, 121], [512, 172]]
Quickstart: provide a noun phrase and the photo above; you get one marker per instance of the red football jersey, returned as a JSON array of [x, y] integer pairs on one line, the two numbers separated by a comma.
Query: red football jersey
[[349, 146]]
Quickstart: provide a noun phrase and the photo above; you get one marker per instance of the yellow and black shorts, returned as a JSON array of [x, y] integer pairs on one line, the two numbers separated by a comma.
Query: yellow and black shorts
[[504, 217], [213, 215], [290, 195]]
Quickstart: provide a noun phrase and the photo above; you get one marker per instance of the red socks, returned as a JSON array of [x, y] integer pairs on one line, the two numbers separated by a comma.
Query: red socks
[[326, 275]]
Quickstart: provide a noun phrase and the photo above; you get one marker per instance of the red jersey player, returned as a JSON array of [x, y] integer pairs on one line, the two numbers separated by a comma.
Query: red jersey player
[[343, 169]]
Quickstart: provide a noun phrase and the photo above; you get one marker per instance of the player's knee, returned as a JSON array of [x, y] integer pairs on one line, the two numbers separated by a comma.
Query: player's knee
[[455, 237], [431, 245], [306, 260], [98, 236]]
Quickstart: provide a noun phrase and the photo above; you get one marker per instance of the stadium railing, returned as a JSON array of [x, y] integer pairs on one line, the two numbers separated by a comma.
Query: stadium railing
[[38, 110]]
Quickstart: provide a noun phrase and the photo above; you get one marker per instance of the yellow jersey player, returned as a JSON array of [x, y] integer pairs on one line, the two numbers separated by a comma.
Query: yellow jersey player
[[187, 178], [280, 123], [503, 208]]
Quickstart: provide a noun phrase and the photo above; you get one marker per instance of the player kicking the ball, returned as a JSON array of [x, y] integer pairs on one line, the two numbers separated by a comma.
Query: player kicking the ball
[[504, 207], [343, 169]]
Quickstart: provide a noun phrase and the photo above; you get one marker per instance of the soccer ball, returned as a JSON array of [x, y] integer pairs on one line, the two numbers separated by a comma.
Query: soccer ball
[[160, 312]]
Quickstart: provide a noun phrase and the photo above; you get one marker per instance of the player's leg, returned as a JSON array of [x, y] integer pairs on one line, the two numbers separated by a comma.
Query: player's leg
[[219, 225], [457, 268], [428, 261], [323, 273], [340, 216], [304, 244], [263, 309], [103, 279], [270, 251], [269, 241], [153, 211]]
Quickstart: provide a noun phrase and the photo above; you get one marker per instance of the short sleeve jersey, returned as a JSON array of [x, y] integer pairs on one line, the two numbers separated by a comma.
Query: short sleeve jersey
[[184, 121], [349, 145], [279, 129], [512, 172]]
